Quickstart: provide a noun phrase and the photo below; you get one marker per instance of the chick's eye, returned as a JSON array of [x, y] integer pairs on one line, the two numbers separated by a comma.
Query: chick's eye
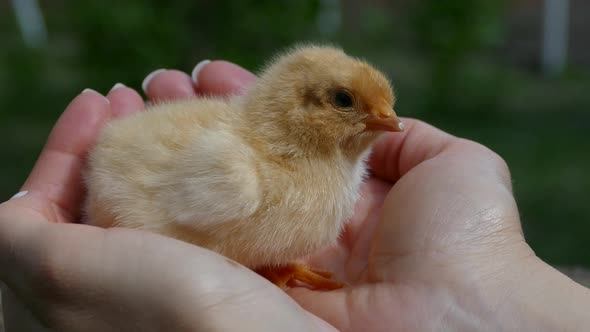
[[343, 99]]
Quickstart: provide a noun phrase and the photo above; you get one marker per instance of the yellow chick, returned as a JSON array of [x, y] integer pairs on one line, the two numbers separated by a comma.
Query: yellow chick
[[264, 178]]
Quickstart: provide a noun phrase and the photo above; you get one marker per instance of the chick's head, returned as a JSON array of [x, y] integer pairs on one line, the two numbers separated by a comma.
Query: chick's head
[[320, 96]]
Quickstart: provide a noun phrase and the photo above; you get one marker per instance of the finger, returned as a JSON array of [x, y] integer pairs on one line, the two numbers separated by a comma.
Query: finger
[[124, 101], [396, 153], [452, 196], [371, 307], [56, 175], [220, 78], [165, 84], [330, 306]]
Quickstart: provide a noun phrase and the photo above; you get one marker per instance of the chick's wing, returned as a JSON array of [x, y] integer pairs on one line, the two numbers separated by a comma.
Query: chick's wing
[[179, 162]]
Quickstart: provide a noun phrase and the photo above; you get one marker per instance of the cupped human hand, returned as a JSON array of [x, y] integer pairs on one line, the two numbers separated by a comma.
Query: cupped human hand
[[435, 242], [76, 277]]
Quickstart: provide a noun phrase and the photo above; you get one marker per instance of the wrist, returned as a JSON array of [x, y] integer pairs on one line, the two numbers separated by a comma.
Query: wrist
[[528, 295], [546, 300]]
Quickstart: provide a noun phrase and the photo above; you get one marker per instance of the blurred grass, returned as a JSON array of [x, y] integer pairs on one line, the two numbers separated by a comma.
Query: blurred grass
[[540, 126]]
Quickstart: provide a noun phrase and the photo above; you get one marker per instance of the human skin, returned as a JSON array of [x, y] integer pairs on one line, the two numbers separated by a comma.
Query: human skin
[[435, 244]]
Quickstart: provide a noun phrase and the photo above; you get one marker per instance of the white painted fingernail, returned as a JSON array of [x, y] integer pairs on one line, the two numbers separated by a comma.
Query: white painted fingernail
[[96, 93], [197, 70], [117, 86], [91, 91], [20, 194], [147, 79]]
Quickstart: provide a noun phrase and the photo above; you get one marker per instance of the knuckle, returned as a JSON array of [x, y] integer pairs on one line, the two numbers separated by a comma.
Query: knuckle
[[494, 161]]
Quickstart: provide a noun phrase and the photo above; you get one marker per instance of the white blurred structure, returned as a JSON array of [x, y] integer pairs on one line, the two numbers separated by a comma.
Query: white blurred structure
[[31, 23], [555, 36]]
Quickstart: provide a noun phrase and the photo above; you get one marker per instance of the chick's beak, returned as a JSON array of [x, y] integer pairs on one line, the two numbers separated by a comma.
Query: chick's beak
[[384, 118]]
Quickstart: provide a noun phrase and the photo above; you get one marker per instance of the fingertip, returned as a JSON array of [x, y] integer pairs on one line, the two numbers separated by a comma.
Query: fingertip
[[89, 108], [221, 78], [82, 119], [197, 70], [124, 100], [93, 92], [19, 194], [168, 84], [117, 86], [57, 171], [394, 154], [148, 79], [93, 99]]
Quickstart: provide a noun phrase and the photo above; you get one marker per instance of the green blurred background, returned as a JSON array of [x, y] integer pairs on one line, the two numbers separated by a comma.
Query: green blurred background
[[471, 67]]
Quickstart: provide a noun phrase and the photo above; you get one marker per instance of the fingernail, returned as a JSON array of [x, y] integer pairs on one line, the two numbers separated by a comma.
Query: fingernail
[[96, 93], [117, 86], [20, 194], [147, 79], [91, 91], [197, 69]]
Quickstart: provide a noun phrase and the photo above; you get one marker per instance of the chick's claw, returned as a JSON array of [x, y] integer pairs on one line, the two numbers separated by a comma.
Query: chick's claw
[[293, 275]]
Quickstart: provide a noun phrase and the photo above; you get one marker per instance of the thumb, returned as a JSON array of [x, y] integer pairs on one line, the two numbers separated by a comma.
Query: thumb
[[397, 153]]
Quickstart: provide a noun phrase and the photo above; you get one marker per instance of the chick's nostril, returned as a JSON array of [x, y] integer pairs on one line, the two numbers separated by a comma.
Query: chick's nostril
[[385, 114]]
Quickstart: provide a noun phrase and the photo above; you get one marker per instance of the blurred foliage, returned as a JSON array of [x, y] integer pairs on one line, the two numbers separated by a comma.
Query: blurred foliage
[[442, 57], [449, 32]]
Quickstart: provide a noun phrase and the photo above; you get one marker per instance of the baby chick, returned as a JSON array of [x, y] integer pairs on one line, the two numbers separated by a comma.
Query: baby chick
[[265, 178]]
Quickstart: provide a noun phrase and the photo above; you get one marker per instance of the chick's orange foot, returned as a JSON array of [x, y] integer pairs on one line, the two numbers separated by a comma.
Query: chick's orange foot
[[292, 275]]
